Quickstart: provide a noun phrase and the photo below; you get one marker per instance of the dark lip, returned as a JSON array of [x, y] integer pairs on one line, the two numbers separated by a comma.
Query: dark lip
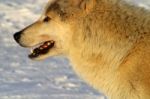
[[37, 52]]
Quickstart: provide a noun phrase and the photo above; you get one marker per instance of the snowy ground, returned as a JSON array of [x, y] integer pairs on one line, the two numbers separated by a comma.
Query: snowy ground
[[21, 78]]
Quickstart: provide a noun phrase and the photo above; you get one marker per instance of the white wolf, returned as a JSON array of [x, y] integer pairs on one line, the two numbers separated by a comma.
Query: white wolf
[[107, 41]]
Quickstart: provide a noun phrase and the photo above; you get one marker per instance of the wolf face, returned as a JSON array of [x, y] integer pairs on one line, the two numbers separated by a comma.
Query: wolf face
[[51, 34], [44, 37]]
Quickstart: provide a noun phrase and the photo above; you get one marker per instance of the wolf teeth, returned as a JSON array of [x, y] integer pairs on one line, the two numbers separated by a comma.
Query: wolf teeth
[[31, 50], [41, 48], [49, 43]]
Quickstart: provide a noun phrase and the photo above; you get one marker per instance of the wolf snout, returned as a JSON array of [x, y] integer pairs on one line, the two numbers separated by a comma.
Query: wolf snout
[[17, 36]]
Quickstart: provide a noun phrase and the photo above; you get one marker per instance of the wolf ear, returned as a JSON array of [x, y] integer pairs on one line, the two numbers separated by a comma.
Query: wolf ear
[[87, 5]]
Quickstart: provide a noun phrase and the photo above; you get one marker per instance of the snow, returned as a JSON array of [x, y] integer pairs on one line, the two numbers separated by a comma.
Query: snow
[[22, 78]]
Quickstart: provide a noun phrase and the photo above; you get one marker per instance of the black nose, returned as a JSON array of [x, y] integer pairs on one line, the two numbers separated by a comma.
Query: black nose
[[17, 36]]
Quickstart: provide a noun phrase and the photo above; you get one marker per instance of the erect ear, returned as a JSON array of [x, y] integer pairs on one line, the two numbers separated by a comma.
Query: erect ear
[[87, 5]]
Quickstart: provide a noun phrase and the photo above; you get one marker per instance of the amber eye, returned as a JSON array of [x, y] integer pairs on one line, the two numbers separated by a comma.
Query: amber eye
[[47, 19]]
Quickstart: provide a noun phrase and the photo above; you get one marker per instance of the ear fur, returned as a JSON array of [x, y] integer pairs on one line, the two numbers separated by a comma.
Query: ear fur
[[87, 5]]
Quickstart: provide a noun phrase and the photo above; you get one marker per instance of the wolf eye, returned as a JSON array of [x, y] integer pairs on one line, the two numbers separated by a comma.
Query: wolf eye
[[47, 19]]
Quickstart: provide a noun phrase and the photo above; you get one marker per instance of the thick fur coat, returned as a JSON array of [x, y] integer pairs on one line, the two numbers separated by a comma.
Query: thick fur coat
[[107, 42]]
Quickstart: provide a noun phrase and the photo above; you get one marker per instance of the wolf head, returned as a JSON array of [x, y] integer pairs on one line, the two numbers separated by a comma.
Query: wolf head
[[52, 33]]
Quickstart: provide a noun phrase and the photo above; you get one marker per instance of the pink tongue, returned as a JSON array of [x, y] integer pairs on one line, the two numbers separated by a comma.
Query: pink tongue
[[44, 46]]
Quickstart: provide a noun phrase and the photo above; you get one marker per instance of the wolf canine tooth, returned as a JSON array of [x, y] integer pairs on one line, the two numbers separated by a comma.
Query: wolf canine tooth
[[49, 43], [31, 50]]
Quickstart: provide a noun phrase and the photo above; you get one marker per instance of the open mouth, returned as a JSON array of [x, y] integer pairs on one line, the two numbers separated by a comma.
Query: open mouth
[[42, 49]]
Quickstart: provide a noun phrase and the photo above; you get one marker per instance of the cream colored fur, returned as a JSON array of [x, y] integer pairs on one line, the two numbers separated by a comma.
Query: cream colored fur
[[107, 42]]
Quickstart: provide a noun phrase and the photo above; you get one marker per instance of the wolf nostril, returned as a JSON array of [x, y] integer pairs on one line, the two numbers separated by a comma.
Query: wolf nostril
[[17, 36]]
